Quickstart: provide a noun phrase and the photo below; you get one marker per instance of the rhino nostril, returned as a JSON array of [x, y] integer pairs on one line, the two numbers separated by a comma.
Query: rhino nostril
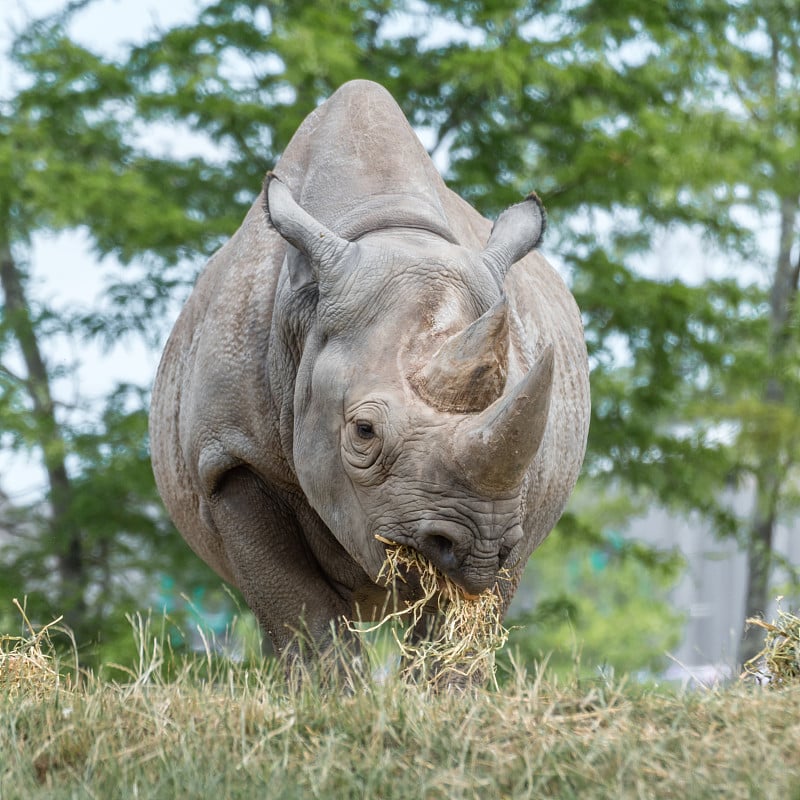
[[505, 551], [508, 543], [441, 543], [440, 549]]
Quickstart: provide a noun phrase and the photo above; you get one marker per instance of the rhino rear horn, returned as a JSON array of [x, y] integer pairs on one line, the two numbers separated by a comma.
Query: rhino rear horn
[[321, 246], [517, 231], [495, 448], [468, 372]]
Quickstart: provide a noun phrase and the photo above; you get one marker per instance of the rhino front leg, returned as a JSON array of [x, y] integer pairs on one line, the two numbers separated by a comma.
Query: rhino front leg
[[284, 586]]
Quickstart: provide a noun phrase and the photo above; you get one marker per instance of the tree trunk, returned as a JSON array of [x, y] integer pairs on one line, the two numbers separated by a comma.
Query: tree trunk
[[783, 295], [759, 566], [71, 564]]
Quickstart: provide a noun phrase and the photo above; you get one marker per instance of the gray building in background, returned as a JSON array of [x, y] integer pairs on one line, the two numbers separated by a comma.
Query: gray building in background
[[711, 592]]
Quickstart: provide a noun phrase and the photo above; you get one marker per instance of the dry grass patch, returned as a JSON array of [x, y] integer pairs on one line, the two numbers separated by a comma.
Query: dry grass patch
[[778, 664], [27, 665], [244, 734]]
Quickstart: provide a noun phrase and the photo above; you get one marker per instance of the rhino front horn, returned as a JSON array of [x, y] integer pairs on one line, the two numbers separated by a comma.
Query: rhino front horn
[[517, 231], [468, 372], [321, 246], [495, 448]]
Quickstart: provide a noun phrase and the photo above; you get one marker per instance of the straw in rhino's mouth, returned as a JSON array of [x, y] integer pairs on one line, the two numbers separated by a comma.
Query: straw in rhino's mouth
[[471, 628]]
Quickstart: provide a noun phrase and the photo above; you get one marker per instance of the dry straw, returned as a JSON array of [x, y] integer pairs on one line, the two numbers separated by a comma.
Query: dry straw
[[26, 662], [469, 629], [779, 662]]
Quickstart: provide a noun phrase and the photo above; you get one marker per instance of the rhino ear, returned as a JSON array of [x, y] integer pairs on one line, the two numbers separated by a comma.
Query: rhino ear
[[517, 231], [322, 247]]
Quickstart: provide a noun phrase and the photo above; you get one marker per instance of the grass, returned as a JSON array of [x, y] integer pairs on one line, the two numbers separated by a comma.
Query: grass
[[778, 663], [221, 730]]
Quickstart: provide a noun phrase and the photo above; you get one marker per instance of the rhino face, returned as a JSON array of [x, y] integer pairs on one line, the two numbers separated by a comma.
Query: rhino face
[[403, 424], [400, 465]]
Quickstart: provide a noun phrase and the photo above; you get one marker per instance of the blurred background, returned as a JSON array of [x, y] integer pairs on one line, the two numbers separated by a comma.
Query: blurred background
[[664, 138]]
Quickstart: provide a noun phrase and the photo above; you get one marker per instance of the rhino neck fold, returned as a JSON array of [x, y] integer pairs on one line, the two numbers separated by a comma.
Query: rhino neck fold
[[392, 211]]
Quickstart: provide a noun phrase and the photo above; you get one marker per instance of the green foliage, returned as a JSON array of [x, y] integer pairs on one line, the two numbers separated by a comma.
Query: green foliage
[[609, 613], [126, 540], [633, 121], [71, 157], [594, 600]]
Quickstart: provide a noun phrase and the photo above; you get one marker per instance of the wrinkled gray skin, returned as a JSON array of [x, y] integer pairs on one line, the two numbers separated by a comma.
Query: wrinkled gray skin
[[358, 360]]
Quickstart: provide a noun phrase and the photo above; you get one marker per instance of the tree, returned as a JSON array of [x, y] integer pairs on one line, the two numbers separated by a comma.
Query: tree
[[710, 394], [632, 122], [753, 69], [68, 159], [37, 169]]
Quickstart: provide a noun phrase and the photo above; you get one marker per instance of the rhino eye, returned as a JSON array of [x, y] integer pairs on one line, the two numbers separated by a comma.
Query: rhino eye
[[364, 429], [362, 444]]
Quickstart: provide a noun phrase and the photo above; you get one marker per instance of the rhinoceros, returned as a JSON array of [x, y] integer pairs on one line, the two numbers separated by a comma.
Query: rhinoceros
[[368, 357]]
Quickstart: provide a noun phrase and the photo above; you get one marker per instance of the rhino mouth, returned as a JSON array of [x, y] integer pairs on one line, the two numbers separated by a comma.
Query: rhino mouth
[[443, 552]]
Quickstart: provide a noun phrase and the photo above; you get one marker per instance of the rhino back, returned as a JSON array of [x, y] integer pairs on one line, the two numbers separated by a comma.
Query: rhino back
[[355, 164]]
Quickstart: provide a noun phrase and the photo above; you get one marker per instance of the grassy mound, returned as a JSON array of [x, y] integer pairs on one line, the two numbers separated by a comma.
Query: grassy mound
[[215, 729]]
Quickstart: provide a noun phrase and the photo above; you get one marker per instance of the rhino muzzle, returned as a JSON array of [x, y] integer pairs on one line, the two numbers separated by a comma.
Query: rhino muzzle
[[452, 550]]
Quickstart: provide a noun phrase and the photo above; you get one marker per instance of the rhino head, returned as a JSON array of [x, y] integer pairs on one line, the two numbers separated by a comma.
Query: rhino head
[[407, 423]]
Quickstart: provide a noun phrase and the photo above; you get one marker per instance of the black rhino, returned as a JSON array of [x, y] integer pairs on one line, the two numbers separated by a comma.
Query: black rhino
[[368, 356]]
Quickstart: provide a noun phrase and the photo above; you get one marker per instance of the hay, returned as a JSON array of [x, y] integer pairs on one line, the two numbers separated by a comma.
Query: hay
[[778, 664], [27, 665], [469, 630]]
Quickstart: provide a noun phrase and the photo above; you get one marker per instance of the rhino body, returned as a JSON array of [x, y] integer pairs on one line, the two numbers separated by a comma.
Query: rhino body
[[362, 359]]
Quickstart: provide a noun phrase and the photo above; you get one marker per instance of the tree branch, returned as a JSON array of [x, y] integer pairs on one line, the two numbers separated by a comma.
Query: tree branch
[[13, 377]]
